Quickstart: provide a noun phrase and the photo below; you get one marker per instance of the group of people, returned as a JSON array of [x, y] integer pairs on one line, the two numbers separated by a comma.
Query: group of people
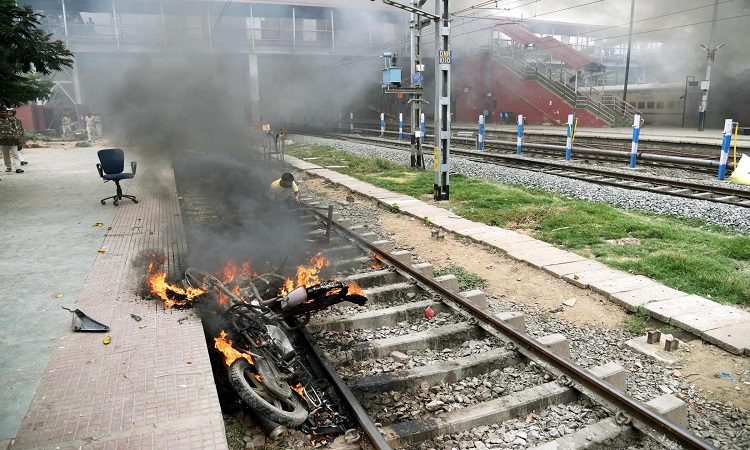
[[12, 139]]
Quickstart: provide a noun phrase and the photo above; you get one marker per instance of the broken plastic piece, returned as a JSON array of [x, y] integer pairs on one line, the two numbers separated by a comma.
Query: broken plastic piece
[[82, 322]]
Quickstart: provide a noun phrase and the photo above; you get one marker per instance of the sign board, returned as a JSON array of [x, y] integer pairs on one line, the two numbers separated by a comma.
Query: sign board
[[400, 95], [445, 56], [266, 127], [417, 77]]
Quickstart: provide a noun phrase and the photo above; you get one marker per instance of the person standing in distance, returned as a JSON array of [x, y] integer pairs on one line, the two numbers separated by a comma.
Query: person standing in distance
[[91, 127], [283, 189], [11, 137]]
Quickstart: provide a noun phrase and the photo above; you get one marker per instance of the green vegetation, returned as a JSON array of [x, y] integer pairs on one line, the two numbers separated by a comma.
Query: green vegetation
[[466, 280], [395, 208], [684, 254], [27, 55], [637, 323], [83, 144]]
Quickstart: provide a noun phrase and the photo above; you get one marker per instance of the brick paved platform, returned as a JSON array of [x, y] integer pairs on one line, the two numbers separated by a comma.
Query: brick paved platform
[[152, 386]]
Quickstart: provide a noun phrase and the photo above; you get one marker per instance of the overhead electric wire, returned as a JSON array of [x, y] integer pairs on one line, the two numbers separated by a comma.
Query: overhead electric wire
[[221, 15], [488, 17]]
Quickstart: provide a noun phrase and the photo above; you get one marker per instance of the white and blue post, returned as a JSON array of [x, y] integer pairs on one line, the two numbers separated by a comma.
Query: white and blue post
[[400, 126], [634, 145], [421, 125], [351, 123], [569, 140], [382, 124], [725, 141], [519, 138], [480, 136]]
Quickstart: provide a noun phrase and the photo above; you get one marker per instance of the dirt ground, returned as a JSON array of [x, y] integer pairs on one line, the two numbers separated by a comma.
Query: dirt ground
[[518, 282]]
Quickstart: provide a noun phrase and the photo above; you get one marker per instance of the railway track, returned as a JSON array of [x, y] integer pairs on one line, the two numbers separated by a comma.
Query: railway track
[[630, 180], [465, 370], [412, 381]]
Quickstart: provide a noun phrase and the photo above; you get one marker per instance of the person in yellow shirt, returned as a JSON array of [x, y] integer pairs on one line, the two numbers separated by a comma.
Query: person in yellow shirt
[[282, 190]]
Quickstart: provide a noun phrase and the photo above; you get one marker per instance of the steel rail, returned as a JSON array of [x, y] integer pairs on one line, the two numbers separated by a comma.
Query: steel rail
[[701, 188], [368, 426], [356, 408], [583, 376], [729, 196]]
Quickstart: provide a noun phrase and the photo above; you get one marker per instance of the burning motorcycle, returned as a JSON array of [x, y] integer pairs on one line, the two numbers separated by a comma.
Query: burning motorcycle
[[268, 371]]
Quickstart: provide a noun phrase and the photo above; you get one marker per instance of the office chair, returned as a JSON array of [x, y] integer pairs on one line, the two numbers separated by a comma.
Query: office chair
[[110, 167]]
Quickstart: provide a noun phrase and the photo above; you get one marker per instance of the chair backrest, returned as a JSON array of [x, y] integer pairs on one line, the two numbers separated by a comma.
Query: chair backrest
[[112, 160]]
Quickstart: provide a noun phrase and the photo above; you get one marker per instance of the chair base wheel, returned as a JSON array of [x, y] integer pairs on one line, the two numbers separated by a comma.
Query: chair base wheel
[[115, 202], [103, 202]]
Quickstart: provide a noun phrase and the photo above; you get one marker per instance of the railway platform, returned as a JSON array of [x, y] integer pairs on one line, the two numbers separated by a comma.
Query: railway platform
[[151, 386], [722, 325]]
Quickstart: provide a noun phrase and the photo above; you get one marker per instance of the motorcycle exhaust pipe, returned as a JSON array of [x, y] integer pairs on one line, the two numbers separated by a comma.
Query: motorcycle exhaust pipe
[[294, 298], [273, 430]]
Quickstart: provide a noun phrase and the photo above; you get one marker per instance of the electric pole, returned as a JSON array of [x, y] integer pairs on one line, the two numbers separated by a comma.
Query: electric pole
[[417, 76], [442, 121], [710, 55]]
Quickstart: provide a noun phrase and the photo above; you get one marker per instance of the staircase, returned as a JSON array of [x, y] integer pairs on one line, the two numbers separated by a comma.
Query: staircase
[[529, 66]]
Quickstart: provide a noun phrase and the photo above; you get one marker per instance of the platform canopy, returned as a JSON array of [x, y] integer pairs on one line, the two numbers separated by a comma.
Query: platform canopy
[[564, 52]]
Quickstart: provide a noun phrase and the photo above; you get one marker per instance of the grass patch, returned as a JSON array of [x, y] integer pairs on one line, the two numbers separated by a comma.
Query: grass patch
[[684, 254], [466, 280], [637, 323]]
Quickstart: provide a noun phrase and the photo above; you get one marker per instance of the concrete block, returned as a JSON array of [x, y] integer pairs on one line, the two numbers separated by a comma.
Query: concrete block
[[336, 216], [476, 297], [449, 282], [632, 299], [699, 322], [346, 223], [613, 374], [557, 343], [384, 246], [656, 350], [670, 407], [426, 269], [583, 279], [369, 236], [665, 309], [402, 255], [359, 229], [400, 357], [732, 338], [573, 267], [542, 257], [620, 284], [514, 319]]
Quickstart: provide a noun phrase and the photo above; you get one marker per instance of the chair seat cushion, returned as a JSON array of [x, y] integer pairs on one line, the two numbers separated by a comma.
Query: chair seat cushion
[[117, 176]]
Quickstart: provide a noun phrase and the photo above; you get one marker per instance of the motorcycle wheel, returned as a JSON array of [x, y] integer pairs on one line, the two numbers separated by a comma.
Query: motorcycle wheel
[[289, 412]]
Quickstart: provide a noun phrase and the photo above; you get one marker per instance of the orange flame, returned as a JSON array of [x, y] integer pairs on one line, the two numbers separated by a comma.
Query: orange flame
[[159, 286], [298, 388], [306, 276], [229, 273], [354, 289], [224, 345]]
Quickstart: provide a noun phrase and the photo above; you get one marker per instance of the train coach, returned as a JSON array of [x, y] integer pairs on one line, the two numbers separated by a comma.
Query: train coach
[[662, 104]]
